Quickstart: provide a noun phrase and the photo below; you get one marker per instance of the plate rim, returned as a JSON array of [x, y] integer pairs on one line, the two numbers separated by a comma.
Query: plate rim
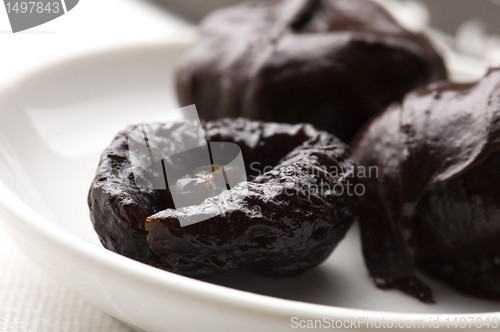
[[115, 263]]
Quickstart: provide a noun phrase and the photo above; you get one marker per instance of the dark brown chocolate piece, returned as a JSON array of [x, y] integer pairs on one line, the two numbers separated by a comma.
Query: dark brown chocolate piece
[[436, 202], [292, 218], [331, 63]]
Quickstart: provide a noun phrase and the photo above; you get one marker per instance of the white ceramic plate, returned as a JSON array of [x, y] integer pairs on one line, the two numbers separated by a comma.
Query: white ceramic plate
[[54, 123]]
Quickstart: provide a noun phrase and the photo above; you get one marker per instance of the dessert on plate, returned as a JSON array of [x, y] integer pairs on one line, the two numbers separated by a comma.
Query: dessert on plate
[[331, 63], [283, 221], [436, 201]]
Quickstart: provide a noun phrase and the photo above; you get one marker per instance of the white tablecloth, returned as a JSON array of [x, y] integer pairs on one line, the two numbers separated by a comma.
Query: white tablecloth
[[29, 300]]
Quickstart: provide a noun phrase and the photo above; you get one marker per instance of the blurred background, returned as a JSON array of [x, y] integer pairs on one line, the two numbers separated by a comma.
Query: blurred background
[[466, 27], [467, 30], [446, 15], [97, 24]]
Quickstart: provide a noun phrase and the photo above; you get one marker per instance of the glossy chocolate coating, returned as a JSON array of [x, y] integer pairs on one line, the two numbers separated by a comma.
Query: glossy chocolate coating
[[436, 202], [331, 63], [282, 227]]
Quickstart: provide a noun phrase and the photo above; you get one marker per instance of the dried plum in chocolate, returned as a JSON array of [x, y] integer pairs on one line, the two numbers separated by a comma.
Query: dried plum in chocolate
[[436, 203], [331, 63], [282, 227]]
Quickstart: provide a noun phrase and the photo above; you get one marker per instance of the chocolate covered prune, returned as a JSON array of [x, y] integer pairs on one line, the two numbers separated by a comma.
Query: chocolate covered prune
[[436, 202], [331, 63], [285, 218]]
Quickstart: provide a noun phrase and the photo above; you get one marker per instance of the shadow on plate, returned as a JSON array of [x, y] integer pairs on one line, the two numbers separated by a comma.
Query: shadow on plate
[[313, 286]]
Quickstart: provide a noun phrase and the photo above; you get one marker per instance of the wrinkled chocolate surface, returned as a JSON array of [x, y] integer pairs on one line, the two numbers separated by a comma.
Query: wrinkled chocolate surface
[[282, 227], [331, 63], [436, 202]]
